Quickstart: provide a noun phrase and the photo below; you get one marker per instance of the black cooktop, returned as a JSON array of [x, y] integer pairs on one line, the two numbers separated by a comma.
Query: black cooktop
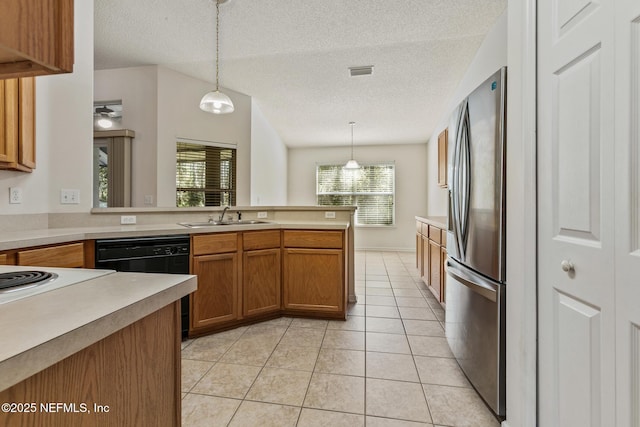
[[15, 280]]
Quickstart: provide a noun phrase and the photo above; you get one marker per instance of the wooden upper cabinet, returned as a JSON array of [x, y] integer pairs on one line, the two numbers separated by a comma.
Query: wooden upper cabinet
[[442, 158], [36, 38], [17, 124]]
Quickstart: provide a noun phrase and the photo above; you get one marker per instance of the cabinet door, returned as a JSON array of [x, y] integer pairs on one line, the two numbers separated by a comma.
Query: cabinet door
[[419, 261], [314, 280], [261, 282], [216, 300], [9, 129], [443, 276], [435, 267], [17, 124], [442, 158], [36, 37], [426, 262]]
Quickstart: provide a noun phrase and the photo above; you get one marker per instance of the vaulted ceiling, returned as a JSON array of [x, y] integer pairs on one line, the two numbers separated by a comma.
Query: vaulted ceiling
[[292, 57]]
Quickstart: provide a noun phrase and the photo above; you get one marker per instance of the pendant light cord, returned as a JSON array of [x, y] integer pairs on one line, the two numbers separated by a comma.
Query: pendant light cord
[[217, 41], [352, 123]]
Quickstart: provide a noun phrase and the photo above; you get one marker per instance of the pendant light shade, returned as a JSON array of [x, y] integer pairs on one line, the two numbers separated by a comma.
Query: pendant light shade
[[216, 102], [352, 164]]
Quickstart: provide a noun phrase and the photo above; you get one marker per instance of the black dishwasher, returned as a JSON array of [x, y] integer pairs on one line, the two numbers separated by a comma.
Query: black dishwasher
[[161, 254]]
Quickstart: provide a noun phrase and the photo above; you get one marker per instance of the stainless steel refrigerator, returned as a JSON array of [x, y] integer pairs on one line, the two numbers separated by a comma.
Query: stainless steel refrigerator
[[475, 282]]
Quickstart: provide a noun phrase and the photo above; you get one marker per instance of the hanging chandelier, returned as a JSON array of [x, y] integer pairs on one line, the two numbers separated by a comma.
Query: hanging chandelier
[[215, 101], [352, 164]]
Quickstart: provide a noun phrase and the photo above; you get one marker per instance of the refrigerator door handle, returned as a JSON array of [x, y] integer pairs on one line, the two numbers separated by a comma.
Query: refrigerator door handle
[[456, 184], [476, 283], [465, 167]]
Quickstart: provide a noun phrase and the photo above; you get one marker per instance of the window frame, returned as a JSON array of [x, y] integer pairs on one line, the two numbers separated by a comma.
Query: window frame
[[233, 176], [355, 194]]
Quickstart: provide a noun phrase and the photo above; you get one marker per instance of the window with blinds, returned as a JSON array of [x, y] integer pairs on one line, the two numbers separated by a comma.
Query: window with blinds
[[371, 188], [205, 175]]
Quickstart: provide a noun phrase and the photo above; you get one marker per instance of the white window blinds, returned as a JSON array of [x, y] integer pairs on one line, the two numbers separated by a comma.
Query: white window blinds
[[371, 188], [205, 175]]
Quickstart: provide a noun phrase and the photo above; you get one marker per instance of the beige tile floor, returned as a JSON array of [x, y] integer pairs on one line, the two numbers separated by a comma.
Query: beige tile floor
[[387, 365]]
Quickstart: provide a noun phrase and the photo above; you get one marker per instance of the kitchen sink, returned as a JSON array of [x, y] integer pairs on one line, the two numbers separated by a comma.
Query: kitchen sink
[[217, 223]]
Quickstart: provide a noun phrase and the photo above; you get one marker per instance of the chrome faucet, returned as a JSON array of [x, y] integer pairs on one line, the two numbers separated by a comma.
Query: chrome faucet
[[223, 212]]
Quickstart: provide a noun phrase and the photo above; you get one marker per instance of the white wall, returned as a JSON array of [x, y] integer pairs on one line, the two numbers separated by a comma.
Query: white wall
[[179, 116], [64, 133], [162, 105], [137, 87], [268, 162], [411, 195], [491, 55]]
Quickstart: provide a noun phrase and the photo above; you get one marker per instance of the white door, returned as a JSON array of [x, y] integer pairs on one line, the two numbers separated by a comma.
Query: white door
[[627, 205], [576, 301]]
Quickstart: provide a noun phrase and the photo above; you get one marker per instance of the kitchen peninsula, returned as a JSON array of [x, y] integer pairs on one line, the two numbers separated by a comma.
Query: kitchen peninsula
[[104, 351], [313, 247]]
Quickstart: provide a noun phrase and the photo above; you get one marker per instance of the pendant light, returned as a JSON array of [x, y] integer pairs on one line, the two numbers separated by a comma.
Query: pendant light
[[215, 101], [352, 164]]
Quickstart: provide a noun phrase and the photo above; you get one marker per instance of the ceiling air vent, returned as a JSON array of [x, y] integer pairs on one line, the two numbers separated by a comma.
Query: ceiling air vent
[[365, 70]]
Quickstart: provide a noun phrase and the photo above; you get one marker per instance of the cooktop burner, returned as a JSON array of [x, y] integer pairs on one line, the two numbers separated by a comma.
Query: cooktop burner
[[19, 280]]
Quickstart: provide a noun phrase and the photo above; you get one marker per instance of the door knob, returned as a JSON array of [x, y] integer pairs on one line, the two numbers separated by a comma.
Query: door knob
[[567, 266]]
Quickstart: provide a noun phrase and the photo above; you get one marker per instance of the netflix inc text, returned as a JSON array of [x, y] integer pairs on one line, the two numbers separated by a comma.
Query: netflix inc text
[[54, 407]]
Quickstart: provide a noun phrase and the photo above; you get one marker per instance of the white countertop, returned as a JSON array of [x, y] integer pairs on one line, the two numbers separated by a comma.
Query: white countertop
[[49, 236], [39, 331]]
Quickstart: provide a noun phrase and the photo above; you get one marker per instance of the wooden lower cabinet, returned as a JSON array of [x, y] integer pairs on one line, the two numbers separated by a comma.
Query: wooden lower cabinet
[[253, 275], [216, 300], [135, 372], [261, 282], [431, 255], [435, 270], [314, 280]]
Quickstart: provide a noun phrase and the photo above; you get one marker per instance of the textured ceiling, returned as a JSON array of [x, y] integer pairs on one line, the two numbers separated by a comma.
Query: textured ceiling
[[292, 57]]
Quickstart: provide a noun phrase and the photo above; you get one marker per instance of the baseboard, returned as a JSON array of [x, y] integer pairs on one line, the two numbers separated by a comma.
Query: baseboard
[[386, 249]]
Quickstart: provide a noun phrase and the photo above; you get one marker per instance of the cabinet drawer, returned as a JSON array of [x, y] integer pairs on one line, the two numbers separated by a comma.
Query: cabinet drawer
[[214, 243], [434, 234], [424, 230], [252, 240], [418, 227], [443, 240], [69, 256], [4, 260], [313, 239]]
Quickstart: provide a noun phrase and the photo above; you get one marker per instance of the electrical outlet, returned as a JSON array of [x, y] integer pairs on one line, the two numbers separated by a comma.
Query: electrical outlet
[[148, 199], [262, 215], [127, 219], [15, 195], [69, 197], [330, 215]]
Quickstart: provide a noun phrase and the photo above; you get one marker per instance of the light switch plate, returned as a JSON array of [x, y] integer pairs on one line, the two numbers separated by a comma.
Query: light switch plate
[[330, 215], [262, 215]]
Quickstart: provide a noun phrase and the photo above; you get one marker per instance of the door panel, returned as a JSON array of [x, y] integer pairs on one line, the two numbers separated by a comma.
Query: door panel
[[627, 149], [578, 377], [576, 134], [577, 144]]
